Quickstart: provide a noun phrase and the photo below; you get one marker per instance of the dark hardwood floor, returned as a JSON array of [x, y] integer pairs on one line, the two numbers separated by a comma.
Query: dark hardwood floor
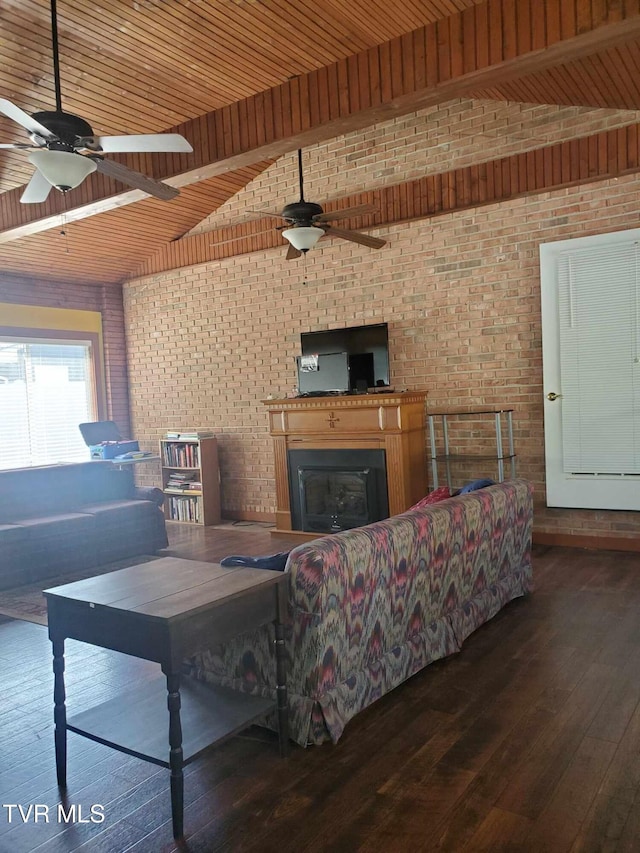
[[529, 740]]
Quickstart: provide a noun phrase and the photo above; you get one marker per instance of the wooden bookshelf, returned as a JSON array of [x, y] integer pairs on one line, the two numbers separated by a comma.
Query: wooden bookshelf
[[191, 480]]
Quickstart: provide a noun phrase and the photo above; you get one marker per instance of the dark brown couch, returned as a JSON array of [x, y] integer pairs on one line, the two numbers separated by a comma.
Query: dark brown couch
[[63, 518]]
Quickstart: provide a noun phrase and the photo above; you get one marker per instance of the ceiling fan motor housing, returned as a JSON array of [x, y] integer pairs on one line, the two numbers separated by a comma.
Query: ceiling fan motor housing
[[301, 212], [65, 126]]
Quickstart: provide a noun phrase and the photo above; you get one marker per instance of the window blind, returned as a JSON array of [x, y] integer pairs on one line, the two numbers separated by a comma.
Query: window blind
[[600, 359], [46, 391]]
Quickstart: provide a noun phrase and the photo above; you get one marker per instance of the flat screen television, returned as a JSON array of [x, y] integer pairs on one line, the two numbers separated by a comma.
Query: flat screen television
[[344, 360]]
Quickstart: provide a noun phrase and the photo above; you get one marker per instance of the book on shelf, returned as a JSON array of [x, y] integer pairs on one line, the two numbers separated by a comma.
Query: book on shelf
[[184, 487], [181, 455], [183, 481], [181, 509], [188, 435]]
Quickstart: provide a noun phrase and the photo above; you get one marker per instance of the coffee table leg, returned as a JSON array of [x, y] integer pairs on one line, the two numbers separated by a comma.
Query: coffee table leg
[[175, 754], [59, 712], [281, 690]]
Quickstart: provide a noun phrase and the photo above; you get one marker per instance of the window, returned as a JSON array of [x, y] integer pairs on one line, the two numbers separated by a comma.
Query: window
[[47, 388]]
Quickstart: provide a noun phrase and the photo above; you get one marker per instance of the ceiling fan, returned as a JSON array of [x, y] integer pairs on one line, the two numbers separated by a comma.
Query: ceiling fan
[[65, 150], [306, 223]]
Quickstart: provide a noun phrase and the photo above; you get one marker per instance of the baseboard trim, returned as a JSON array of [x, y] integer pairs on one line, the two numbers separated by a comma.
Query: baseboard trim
[[565, 540], [302, 534], [595, 543], [247, 515]]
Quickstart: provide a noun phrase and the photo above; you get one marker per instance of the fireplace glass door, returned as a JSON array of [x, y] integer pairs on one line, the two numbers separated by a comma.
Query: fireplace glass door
[[333, 497], [333, 490]]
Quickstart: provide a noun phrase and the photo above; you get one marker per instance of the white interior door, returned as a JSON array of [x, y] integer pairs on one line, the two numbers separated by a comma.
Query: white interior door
[[591, 361]]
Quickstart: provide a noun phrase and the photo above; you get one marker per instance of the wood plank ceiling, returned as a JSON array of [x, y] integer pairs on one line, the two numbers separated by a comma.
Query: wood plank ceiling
[[247, 80]]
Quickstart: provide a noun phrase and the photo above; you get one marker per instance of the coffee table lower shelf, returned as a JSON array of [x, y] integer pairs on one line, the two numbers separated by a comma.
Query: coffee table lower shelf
[[137, 722]]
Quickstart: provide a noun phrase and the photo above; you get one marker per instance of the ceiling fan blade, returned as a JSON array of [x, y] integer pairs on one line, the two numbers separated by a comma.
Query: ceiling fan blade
[[347, 213], [292, 253], [24, 119], [142, 142], [37, 189], [21, 146], [355, 237], [268, 213], [136, 179], [233, 239]]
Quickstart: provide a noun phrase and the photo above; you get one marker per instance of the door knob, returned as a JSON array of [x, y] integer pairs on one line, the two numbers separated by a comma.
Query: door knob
[[551, 396]]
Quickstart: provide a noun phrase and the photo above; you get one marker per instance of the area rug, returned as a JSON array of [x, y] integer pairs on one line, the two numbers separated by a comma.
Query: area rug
[[29, 604]]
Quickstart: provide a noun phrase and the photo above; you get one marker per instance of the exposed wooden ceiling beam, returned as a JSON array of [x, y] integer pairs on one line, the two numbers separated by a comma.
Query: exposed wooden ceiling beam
[[107, 248], [603, 155], [481, 47]]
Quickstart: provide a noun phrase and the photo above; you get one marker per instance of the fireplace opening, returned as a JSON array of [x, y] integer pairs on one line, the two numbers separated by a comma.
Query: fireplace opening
[[333, 490], [334, 497]]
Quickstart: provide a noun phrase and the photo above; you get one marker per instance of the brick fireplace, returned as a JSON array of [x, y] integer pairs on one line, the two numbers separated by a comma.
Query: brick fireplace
[[343, 461]]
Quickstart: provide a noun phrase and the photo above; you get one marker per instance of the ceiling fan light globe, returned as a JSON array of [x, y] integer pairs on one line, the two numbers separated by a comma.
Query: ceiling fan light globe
[[303, 237], [64, 170]]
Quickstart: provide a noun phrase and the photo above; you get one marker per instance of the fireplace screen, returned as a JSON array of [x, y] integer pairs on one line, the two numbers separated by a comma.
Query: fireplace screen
[[333, 498], [336, 490]]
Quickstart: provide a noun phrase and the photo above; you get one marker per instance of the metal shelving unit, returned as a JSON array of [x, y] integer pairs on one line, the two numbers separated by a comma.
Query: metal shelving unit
[[447, 457]]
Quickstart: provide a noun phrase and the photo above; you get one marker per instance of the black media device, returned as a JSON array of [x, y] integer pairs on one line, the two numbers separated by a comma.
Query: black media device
[[344, 360], [330, 373]]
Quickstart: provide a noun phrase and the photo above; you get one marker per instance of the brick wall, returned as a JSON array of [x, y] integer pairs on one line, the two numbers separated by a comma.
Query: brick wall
[[436, 139], [461, 295], [106, 300]]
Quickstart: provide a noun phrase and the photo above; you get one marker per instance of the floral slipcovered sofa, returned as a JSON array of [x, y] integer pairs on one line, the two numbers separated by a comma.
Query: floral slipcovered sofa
[[371, 606]]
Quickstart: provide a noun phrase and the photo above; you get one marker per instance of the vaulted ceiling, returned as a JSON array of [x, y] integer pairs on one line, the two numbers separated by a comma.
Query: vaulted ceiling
[[249, 80]]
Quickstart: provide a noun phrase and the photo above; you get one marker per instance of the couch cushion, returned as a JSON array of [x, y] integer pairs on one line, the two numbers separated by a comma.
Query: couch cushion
[[129, 522], [58, 525], [45, 490], [10, 534], [14, 545], [125, 528], [61, 542], [27, 492], [63, 486], [116, 512], [104, 482]]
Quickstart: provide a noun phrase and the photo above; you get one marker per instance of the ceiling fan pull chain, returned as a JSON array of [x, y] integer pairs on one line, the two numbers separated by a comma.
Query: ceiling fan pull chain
[[63, 224]]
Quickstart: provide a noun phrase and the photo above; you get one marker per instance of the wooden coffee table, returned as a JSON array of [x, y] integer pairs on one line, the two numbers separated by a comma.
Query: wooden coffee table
[[164, 611]]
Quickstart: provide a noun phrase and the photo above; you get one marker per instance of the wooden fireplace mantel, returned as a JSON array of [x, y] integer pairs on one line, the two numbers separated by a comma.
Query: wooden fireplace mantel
[[393, 422]]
